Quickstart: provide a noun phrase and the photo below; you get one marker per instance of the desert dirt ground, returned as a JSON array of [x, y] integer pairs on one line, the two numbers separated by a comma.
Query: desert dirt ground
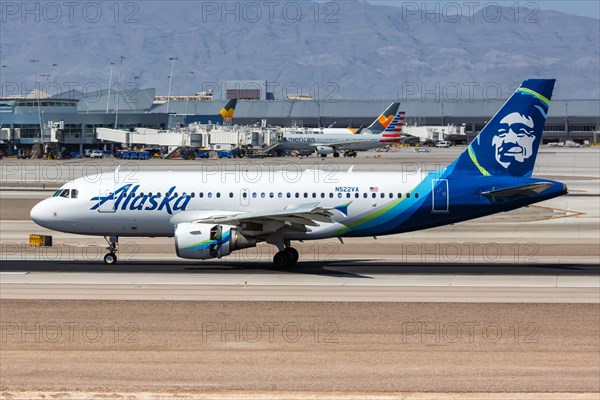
[[299, 346]]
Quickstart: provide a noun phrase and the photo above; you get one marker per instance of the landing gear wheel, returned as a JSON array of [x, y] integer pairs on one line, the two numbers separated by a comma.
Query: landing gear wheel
[[336, 154], [294, 253], [110, 259], [283, 259]]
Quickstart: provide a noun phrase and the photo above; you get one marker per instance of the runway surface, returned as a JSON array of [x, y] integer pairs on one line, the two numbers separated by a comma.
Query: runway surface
[[354, 281]]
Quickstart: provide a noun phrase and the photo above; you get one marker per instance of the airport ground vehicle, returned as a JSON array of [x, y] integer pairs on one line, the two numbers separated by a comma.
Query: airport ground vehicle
[[133, 155], [443, 144], [96, 154], [202, 153], [23, 154]]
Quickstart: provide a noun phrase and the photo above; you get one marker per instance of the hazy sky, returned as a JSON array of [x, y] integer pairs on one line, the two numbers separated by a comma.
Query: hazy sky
[[586, 8]]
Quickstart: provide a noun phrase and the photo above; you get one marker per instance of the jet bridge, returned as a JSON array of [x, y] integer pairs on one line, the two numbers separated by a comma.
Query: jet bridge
[[145, 137]]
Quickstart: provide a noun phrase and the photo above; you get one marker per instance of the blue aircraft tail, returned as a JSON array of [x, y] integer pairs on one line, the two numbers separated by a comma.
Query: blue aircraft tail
[[509, 143]]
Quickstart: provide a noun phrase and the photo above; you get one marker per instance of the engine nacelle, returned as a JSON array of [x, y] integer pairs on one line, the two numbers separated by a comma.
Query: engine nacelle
[[205, 241], [322, 150]]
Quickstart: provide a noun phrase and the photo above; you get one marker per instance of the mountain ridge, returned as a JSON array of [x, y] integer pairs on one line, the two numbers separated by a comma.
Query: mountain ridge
[[372, 51]]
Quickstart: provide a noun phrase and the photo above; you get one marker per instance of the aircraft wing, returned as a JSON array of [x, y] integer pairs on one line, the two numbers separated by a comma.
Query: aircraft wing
[[298, 218], [307, 214]]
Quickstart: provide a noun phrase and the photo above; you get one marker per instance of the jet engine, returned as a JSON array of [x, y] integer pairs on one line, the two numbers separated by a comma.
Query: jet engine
[[204, 241], [323, 150]]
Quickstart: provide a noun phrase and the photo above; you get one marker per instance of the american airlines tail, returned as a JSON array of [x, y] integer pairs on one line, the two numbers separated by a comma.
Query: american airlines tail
[[393, 132], [509, 143], [385, 119]]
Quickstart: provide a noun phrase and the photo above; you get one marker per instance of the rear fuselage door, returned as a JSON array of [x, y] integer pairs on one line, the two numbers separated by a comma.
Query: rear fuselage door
[[440, 197]]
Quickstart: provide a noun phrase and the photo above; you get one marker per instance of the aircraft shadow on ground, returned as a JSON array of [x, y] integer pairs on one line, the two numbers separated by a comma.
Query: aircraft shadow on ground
[[337, 269]]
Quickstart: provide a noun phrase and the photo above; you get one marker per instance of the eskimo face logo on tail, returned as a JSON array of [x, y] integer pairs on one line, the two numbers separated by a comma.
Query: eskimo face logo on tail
[[515, 138], [508, 144]]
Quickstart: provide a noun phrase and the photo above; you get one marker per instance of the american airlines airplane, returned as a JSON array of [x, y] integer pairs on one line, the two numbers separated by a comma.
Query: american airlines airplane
[[211, 215], [380, 133]]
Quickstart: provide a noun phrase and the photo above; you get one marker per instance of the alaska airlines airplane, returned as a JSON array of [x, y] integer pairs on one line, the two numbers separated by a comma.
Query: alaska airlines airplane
[[324, 142], [211, 215]]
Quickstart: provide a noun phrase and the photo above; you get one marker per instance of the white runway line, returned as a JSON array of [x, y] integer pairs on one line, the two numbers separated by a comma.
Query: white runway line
[[306, 280]]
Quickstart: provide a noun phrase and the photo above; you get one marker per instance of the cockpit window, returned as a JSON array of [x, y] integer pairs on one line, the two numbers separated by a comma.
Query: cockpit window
[[66, 193]]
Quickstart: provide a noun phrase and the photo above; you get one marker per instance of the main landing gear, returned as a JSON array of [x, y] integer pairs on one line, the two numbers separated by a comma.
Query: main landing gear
[[287, 257], [111, 257]]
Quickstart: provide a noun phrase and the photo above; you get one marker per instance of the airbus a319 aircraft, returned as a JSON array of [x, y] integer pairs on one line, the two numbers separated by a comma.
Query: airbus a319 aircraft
[[211, 216]]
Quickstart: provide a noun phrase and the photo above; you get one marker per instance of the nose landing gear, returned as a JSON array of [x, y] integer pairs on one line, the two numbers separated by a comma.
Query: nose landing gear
[[111, 257]]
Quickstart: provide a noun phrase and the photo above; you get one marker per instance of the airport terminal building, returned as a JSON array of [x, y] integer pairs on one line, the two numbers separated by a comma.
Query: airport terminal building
[[79, 115]]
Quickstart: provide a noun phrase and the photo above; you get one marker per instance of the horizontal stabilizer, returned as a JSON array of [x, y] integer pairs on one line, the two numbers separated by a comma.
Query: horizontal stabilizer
[[519, 191]]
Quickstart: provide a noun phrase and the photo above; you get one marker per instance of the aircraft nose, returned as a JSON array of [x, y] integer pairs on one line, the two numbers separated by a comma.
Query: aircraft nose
[[40, 214]]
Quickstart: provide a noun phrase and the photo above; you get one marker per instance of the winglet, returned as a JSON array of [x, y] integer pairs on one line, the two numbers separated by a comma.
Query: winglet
[[343, 208]]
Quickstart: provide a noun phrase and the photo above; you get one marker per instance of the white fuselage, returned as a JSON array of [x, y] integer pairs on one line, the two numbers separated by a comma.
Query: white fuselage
[[146, 202], [310, 141]]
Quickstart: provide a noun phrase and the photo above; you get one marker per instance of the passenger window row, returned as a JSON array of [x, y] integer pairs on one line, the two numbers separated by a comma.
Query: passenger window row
[[322, 195], [272, 195]]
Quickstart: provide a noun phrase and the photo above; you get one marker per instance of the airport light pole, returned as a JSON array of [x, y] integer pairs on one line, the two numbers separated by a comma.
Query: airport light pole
[[566, 118], [54, 72], [189, 90], [118, 93], [109, 85], [1, 84], [442, 103], [37, 92], [318, 113], [172, 59], [121, 68]]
